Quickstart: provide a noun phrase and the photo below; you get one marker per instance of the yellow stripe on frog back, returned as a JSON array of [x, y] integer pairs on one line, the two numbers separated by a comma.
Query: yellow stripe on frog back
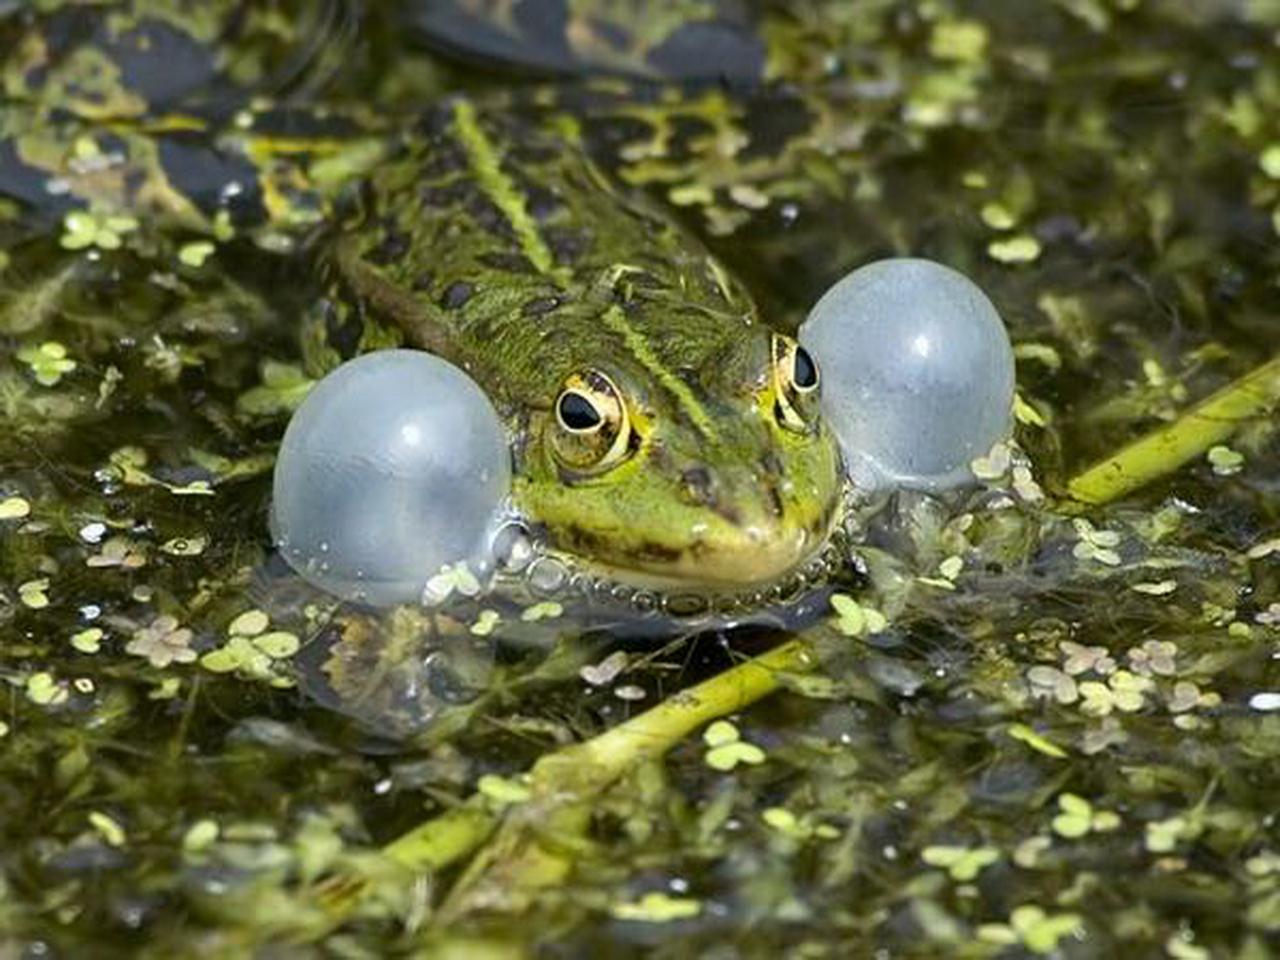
[[486, 164], [616, 321]]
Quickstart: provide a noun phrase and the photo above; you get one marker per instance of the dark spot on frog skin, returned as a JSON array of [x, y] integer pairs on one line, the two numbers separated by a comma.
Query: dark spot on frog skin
[[527, 152], [541, 203], [487, 215], [507, 262], [443, 158], [437, 121], [457, 294], [539, 306], [441, 198], [567, 243], [393, 245]]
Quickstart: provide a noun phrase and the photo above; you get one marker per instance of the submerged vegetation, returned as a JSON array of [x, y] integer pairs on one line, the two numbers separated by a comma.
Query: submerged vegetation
[[1040, 717]]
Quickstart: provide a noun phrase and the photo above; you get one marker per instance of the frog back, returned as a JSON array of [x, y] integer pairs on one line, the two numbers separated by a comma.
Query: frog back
[[498, 244]]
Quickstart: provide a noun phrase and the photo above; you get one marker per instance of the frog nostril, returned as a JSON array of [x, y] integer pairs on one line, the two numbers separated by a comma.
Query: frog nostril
[[699, 486], [776, 504]]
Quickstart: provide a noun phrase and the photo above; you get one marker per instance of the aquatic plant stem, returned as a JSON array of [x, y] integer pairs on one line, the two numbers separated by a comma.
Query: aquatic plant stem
[[534, 845], [1164, 450], [594, 764], [656, 731], [444, 839], [563, 783]]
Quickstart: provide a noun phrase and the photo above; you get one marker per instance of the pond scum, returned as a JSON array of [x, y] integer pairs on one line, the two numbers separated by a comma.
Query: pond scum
[[1046, 723]]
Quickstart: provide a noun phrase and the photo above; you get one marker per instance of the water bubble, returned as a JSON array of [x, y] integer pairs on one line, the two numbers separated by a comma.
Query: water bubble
[[512, 546], [395, 465], [917, 369], [546, 576]]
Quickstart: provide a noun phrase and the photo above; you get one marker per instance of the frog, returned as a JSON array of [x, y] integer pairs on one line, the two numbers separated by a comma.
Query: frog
[[666, 437]]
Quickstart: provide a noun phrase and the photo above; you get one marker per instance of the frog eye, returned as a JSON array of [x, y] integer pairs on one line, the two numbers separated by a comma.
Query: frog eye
[[796, 380], [804, 370], [578, 413], [593, 431]]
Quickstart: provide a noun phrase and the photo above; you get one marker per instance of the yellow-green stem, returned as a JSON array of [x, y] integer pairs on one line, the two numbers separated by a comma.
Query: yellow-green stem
[[443, 839], [579, 771], [1164, 450]]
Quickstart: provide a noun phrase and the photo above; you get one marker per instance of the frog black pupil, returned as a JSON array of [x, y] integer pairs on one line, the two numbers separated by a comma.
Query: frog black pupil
[[806, 371], [577, 412]]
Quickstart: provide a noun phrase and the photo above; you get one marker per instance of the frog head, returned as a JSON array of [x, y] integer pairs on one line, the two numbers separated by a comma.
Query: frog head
[[682, 457]]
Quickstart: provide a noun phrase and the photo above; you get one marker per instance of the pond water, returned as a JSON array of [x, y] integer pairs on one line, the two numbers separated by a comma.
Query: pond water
[[1024, 725]]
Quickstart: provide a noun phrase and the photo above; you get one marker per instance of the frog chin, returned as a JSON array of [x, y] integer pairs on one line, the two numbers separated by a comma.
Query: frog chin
[[743, 559]]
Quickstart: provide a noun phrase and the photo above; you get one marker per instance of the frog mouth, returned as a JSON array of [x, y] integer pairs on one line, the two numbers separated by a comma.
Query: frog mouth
[[540, 572], [752, 559]]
